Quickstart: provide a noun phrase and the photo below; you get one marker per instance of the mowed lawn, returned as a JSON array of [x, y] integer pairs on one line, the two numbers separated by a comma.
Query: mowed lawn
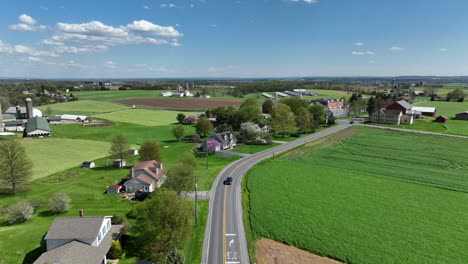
[[52, 155], [448, 109], [144, 117], [83, 107], [367, 196]]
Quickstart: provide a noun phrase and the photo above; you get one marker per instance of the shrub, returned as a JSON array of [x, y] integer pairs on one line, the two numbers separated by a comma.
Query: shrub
[[175, 257], [116, 219], [190, 120], [37, 203], [195, 138], [59, 202], [115, 252], [20, 212]]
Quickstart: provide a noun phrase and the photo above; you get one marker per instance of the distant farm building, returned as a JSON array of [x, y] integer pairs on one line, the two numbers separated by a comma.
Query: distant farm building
[[22, 113], [118, 163], [335, 106], [77, 118], [462, 116], [441, 119], [402, 106], [269, 96], [133, 152], [393, 117], [425, 111], [37, 127], [54, 120], [281, 94], [88, 164]]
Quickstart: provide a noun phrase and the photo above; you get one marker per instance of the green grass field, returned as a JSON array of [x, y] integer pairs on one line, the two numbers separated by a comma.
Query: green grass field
[[143, 117], [454, 127], [83, 107], [447, 108], [366, 196], [52, 155], [115, 95], [86, 191]]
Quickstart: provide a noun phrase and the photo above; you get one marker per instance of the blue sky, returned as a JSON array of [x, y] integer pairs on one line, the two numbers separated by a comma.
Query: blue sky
[[232, 38]]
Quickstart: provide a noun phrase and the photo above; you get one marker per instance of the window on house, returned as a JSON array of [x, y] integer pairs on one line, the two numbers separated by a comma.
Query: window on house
[[108, 224], [99, 237]]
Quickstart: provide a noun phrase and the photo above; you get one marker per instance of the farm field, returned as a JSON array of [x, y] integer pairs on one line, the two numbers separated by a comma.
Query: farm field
[[182, 103], [84, 107], [85, 187], [52, 155], [251, 149], [143, 116], [366, 196], [115, 95], [453, 127]]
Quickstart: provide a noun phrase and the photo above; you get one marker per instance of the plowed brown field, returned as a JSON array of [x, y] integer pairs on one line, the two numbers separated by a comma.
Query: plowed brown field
[[181, 103]]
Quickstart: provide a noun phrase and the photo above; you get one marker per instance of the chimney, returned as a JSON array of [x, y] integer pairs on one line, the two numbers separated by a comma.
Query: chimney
[[18, 112], [81, 213], [29, 108]]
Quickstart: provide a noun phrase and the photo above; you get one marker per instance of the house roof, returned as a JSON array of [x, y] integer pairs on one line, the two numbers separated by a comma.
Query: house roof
[[149, 167], [37, 123], [12, 110], [115, 186], [87, 162], [76, 252], [405, 104], [14, 123], [145, 179], [75, 227], [444, 117], [461, 113], [423, 109]]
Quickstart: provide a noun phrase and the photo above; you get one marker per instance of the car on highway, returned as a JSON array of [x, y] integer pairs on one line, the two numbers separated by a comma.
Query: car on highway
[[351, 122], [228, 181]]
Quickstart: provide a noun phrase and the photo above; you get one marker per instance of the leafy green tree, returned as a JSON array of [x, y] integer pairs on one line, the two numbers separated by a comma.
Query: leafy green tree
[[304, 120], [181, 177], [249, 102], [120, 148], [115, 251], [295, 103], [282, 119], [15, 166], [456, 95], [178, 132], [175, 257], [180, 118], [318, 113], [161, 225], [267, 106], [150, 151], [49, 111], [371, 107], [203, 126], [59, 203]]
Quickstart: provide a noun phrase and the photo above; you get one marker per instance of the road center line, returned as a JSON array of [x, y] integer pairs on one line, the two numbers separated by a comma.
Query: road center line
[[224, 225]]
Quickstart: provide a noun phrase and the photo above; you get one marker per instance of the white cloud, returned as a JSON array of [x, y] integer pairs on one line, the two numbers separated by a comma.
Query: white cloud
[[168, 5], [213, 25], [33, 59], [27, 23], [21, 49], [361, 53], [304, 1], [146, 7], [28, 20], [359, 44], [93, 28], [144, 26], [396, 49], [176, 44], [110, 65], [83, 49], [443, 49]]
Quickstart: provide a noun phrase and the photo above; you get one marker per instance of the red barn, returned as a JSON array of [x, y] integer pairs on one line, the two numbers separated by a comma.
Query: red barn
[[441, 119], [402, 106]]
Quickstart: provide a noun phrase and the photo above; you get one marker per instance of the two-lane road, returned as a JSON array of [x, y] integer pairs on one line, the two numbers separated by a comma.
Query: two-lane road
[[225, 240]]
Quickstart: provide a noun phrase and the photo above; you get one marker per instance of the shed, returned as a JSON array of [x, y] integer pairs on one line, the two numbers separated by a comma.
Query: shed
[[459, 116], [114, 189], [88, 164], [133, 152], [441, 119], [118, 163]]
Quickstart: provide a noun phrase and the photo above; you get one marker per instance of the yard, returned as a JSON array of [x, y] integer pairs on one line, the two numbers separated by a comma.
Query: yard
[[366, 196], [447, 108]]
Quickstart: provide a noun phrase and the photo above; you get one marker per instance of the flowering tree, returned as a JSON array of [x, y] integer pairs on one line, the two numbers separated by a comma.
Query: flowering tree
[[190, 119], [196, 138], [213, 145]]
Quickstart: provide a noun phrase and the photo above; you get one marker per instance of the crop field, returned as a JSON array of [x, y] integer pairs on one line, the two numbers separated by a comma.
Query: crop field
[[144, 117], [182, 103], [52, 155], [115, 95], [85, 107], [366, 196]]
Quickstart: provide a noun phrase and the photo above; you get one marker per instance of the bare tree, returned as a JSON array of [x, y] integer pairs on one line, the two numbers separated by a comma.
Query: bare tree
[[15, 166]]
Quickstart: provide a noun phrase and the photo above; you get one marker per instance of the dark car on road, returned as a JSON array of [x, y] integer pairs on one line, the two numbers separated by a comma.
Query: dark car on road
[[228, 181]]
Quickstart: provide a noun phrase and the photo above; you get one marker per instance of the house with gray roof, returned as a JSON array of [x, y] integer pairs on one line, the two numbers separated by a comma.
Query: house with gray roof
[[79, 240], [36, 127]]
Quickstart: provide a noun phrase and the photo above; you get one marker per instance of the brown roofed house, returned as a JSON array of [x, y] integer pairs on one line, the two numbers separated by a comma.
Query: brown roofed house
[[146, 176]]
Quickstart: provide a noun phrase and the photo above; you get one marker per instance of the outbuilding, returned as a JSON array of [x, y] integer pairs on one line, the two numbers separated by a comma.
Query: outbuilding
[[114, 189], [37, 127], [441, 119], [462, 116], [88, 164]]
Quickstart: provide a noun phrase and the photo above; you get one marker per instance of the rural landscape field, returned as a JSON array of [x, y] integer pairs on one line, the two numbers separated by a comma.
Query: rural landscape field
[[366, 196]]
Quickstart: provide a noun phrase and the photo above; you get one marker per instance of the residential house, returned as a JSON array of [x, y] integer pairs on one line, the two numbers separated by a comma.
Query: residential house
[[394, 117], [462, 116], [79, 240], [146, 176], [335, 106], [401, 105], [88, 164], [425, 111], [22, 112], [441, 119], [227, 139], [37, 127]]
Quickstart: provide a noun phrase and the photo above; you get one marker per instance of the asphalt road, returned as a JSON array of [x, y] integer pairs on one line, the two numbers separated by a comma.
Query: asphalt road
[[225, 240]]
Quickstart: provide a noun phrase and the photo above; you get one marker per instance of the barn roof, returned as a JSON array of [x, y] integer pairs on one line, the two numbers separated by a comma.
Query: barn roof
[[405, 104], [424, 109], [37, 123]]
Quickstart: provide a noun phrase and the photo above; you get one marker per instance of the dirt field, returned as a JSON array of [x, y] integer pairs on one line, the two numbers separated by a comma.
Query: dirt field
[[271, 252], [181, 103]]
